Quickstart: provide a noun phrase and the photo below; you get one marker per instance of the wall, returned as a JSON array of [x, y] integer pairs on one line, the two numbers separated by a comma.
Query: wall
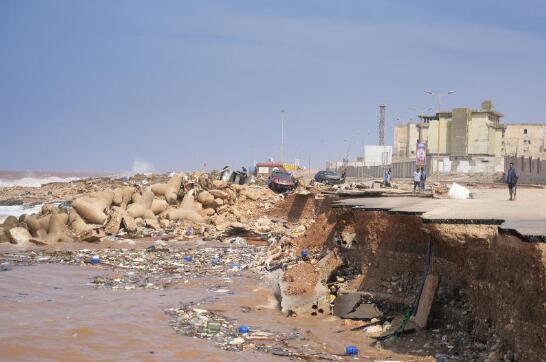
[[477, 164], [400, 142], [377, 155], [530, 170]]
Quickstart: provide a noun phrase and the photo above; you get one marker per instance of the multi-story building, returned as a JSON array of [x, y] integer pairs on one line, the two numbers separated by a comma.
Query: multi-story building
[[524, 139]]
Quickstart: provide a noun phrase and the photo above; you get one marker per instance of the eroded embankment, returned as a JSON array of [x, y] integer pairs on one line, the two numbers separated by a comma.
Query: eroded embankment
[[492, 286]]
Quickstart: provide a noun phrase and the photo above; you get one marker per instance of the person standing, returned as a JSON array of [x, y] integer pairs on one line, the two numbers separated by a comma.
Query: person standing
[[387, 178], [416, 179], [423, 178], [512, 181]]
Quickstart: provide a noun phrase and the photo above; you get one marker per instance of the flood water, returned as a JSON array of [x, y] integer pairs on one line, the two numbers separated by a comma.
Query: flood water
[[49, 312]]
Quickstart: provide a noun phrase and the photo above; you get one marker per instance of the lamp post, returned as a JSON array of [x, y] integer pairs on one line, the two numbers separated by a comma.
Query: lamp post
[[439, 96], [282, 134]]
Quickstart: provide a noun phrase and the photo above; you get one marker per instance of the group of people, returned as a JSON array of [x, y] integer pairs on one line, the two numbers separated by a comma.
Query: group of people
[[419, 179]]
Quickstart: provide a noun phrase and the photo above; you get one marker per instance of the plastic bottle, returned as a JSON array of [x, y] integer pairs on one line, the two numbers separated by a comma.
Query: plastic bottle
[[351, 351], [304, 254], [244, 329], [95, 259], [188, 258]]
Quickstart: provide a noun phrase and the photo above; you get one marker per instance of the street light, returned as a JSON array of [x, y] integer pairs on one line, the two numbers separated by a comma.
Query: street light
[[439, 95], [282, 134]]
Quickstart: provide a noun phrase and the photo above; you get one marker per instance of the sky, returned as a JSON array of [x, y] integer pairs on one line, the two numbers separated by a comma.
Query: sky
[[124, 85]]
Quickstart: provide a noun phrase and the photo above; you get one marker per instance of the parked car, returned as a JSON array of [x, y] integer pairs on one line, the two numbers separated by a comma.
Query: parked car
[[329, 178], [280, 181]]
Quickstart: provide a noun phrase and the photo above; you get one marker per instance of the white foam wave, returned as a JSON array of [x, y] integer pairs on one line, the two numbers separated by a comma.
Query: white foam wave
[[34, 181], [18, 210]]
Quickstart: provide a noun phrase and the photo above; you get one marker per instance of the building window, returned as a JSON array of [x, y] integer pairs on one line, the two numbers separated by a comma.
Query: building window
[[525, 131]]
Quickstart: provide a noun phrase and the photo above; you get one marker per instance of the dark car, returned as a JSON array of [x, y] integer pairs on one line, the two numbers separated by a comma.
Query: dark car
[[329, 178], [280, 181]]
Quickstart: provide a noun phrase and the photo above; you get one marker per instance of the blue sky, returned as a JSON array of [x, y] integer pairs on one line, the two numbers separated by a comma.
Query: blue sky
[[98, 85]]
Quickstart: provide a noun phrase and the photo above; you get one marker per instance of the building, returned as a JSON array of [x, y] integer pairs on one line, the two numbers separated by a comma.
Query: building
[[375, 155], [524, 139], [460, 133]]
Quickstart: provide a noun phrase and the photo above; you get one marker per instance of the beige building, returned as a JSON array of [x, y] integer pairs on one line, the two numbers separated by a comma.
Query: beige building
[[466, 133], [524, 139]]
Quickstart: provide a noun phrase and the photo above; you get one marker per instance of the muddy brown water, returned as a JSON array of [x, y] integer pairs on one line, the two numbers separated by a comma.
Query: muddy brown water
[[49, 312]]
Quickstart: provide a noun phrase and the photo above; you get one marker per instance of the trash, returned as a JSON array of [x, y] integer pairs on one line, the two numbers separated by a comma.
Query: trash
[[244, 329], [304, 254], [188, 258], [458, 192], [95, 259], [351, 351]]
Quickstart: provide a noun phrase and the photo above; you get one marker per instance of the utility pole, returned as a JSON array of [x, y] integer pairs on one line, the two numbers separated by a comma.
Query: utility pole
[[382, 124]]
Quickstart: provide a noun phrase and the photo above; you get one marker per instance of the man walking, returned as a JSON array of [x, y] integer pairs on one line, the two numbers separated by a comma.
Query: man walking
[[416, 179], [512, 181]]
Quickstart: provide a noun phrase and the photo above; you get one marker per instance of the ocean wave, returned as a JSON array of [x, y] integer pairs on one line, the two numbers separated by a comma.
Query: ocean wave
[[18, 210], [34, 181]]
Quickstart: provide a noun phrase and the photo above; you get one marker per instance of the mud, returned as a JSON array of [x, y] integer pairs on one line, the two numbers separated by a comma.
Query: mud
[[490, 303]]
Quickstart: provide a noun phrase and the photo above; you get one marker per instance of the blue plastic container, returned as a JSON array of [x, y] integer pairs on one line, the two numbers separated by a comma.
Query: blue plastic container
[[188, 258], [244, 329], [304, 254], [351, 351], [216, 261], [95, 259]]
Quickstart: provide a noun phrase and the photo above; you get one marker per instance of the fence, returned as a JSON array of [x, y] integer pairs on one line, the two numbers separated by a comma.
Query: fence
[[530, 170], [399, 170]]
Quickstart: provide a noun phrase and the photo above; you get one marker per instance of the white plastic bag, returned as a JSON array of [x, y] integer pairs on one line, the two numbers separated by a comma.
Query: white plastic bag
[[458, 192]]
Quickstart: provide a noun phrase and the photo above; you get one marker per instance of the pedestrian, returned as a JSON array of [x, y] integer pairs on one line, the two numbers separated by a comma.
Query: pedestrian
[[512, 181], [423, 178], [416, 179], [387, 177]]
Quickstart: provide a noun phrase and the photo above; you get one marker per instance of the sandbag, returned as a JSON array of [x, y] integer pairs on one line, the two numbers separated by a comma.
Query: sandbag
[[102, 198], [159, 189], [57, 231], [173, 186], [159, 205], [91, 210], [185, 214], [78, 225], [139, 208], [37, 223], [149, 215], [10, 222]]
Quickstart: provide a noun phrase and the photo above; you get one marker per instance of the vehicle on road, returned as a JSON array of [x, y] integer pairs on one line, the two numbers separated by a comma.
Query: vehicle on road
[[329, 178], [281, 181]]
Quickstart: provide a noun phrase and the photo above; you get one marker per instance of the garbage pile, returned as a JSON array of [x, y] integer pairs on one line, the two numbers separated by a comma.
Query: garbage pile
[[195, 205], [156, 267], [196, 322]]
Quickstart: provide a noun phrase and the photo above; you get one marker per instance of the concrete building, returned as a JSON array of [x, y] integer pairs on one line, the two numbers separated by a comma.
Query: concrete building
[[375, 155], [405, 139], [523, 139]]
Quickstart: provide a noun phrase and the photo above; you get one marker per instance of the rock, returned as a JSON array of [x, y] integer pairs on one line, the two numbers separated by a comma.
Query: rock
[[219, 184], [219, 194], [206, 198], [139, 208], [10, 222], [112, 227], [90, 211], [374, 330], [19, 236], [153, 223], [252, 194], [329, 264], [78, 225], [129, 223]]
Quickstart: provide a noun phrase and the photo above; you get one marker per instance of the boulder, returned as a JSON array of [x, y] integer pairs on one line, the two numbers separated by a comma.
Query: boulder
[[129, 223], [19, 235], [219, 194], [114, 224], [10, 222], [205, 198]]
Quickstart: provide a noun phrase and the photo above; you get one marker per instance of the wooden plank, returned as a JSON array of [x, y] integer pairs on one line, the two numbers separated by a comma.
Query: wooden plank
[[425, 302]]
